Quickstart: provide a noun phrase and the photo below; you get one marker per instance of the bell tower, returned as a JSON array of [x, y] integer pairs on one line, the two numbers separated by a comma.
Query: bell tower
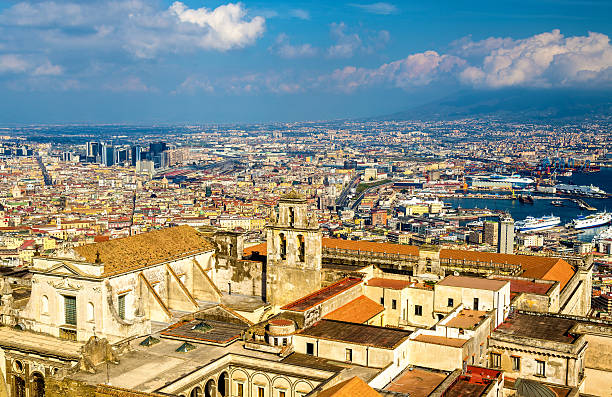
[[293, 252]]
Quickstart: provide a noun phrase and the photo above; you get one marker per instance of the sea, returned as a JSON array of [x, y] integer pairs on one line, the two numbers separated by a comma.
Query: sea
[[568, 212]]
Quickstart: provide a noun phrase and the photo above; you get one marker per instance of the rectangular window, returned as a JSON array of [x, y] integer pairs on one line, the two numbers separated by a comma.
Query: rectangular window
[[284, 341], [382, 300], [495, 360], [281, 393], [540, 368], [475, 303], [394, 304], [516, 363], [310, 348], [451, 303], [70, 314], [418, 310], [121, 305], [260, 391], [240, 390], [349, 355]]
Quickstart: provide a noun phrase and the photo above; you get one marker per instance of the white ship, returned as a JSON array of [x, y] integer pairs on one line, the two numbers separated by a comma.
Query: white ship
[[531, 224], [578, 190], [594, 220], [603, 236]]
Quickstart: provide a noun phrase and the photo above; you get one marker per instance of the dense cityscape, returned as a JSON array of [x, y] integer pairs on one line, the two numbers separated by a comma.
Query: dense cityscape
[[351, 257], [260, 198]]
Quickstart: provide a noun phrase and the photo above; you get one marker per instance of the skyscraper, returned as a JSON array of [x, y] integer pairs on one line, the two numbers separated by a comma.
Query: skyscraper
[[505, 244], [108, 155]]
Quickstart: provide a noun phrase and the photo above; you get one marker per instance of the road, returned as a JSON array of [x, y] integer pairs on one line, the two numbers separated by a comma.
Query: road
[[343, 199]]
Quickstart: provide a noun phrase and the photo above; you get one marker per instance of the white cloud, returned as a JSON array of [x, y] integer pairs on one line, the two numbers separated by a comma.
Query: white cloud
[[135, 26], [225, 27], [194, 84], [349, 43], [346, 43], [545, 60], [380, 8], [300, 14], [48, 69], [130, 84], [415, 70], [12, 63], [283, 48]]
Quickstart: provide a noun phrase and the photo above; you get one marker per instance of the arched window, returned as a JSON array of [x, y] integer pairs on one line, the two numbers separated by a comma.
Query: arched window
[[90, 311], [283, 246], [196, 392], [44, 305], [291, 216], [301, 248]]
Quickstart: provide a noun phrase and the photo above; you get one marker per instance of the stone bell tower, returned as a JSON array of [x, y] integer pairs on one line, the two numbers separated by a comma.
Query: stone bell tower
[[294, 252]]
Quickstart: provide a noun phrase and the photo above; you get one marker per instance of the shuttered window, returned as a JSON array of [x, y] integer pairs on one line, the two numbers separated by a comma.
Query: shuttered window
[[70, 310], [121, 304]]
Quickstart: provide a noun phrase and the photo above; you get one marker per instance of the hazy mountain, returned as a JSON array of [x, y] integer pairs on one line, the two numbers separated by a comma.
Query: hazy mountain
[[515, 105]]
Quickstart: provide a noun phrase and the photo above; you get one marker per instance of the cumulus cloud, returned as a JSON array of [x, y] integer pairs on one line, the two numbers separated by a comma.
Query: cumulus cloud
[[12, 63], [415, 70], [349, 43], [380, 8], [224, 28], [48, 69], [135, 26], [283, 48], [544, 60]]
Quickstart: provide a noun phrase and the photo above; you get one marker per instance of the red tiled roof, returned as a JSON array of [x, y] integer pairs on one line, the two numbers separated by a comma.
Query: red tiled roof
[[369, 246], [350, 388], [322, 295], [388, 283], [358, 310]]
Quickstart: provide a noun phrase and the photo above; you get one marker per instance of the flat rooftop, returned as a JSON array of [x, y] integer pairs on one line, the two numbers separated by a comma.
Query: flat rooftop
[[147, 369], [386, 338], [395, 283], [467, 319], [541, 327], [417, 382], [41, 343], [473, 282], [441, 340], [322, 295]]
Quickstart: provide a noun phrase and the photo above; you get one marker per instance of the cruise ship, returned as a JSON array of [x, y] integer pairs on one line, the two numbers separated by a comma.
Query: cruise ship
[[605, 235], [594, 220], [532, 224]]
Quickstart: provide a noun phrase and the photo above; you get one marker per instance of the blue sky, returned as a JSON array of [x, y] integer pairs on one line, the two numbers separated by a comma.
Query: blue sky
[[208, 61]]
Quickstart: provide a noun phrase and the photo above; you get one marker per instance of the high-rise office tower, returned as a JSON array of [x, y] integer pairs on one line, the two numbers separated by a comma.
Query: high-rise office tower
[[108, 155], [491, 230], [505, 243]]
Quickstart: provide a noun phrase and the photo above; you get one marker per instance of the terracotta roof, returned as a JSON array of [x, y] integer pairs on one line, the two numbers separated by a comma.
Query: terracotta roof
[[472, 282], [528, 286], [262, 249], [358, 310], [466, 319], [350, 388], [369, 246], [441, 340], [388, 283], [541, 267], [322, 295], [417, 382], [130, 253]]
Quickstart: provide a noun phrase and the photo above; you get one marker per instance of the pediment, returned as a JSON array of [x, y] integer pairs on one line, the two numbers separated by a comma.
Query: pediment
[[65, 269]]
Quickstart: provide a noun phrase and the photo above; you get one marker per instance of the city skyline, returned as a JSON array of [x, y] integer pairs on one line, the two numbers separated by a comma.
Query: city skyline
[[141, 62]]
